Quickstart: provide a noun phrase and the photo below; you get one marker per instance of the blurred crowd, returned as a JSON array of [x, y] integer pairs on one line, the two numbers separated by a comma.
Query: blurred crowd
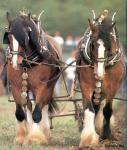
[[68, 43]]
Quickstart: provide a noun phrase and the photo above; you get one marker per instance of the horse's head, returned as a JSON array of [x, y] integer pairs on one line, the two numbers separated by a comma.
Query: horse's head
[[103, 43], [22, 36]]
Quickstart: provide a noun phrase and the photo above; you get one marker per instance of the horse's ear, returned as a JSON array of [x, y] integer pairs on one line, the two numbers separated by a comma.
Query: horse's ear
[[91, 25], [8, 16]]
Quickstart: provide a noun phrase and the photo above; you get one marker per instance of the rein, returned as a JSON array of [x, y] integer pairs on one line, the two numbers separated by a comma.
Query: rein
[[59, 66]]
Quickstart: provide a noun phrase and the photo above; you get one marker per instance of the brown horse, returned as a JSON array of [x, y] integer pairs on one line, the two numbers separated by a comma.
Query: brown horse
[[99, 80], [27, 41]]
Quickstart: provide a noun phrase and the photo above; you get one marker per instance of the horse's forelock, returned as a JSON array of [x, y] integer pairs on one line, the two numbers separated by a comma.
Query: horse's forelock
[[104, 32], [24, 29], [17, 29]]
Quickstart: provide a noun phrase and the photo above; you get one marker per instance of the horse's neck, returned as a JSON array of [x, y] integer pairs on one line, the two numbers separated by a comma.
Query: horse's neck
[[115, 46], [55, 46]]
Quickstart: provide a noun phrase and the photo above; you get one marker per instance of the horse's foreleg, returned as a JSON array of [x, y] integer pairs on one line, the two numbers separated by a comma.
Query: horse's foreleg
[[89, 135], [99, 118], [40, 128], [107, 112], [36, 133], [20, 115], [45, 124], [21, 126]]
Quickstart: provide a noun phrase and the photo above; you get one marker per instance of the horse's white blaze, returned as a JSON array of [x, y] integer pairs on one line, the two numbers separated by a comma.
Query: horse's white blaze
[[101, 51], [15, 49]]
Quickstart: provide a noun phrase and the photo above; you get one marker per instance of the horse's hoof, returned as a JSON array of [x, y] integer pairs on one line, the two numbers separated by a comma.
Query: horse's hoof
[[47, 132], [19, 140], [38, 138], [21, 133], [89, 140], [36, 135]]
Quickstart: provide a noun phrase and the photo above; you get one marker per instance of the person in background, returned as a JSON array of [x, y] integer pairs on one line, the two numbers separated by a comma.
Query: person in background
[[69, 41], [59, 39], [70, 71], [76, 40]]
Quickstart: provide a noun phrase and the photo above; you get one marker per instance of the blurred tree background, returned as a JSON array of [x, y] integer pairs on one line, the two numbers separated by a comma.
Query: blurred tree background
[[66, 16]]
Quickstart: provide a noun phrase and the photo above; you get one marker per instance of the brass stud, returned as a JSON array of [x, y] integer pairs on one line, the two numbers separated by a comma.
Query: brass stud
[[98, 90], [24, 75], [24, 83], [98, 84], [96, 95]]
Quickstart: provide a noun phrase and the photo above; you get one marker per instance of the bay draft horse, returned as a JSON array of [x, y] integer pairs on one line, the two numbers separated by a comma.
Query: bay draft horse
[[99, 81], [27, 41]]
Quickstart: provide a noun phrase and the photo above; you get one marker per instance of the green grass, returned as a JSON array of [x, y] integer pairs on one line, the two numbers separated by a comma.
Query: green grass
[[64, 135]]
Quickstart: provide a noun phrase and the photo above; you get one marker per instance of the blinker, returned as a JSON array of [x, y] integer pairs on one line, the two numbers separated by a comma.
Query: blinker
[[5, 38]]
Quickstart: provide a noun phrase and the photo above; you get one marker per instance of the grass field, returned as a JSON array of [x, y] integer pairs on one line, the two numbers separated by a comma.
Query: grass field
[[64, 136]]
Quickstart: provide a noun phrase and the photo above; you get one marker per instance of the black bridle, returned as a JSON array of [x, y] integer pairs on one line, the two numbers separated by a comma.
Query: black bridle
[[86, 48]]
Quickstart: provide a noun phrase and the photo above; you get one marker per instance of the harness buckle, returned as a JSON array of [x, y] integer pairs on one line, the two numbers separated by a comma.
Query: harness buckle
[[24, 69]]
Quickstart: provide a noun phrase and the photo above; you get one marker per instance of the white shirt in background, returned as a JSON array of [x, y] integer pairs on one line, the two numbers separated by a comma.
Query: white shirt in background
[[59, 40], [70, 71]]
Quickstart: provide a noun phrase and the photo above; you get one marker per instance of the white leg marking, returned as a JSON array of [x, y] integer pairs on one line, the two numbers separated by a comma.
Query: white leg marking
[[115, 106], [29, 119], [36, 134], [101, 50], [39, 131], [21, 132], [45, 121], [112, 121], [89, 135], [35, 127], [15, 48], [100, 118], [89, 122]]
